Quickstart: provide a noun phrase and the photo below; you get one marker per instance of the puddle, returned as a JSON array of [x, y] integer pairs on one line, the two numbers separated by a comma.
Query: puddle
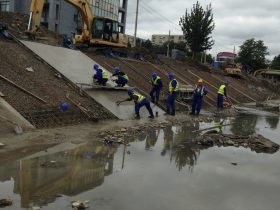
[[159, 170]]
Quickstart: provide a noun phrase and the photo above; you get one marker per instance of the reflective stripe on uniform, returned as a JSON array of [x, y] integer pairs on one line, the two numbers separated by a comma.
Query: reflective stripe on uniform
[[140, 97], [125, 76], [222, 90], [104, 74], [202, 90], [171, 88], [154, 81]]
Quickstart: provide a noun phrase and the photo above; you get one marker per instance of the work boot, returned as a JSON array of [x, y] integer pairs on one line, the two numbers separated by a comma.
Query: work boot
[[151, 116], [137, 117], [172, 113], [167, 111], [191, 113]]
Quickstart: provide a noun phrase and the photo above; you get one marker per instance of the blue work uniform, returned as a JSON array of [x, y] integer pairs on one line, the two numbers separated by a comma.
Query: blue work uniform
[[157, 86], [141, 101], [197, 100], [101, 76], [122, 78], [220, 97], [172, 95]]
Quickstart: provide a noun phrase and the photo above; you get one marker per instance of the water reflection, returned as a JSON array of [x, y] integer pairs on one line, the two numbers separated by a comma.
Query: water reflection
[[244, 125], [80, 169], [273, 122]]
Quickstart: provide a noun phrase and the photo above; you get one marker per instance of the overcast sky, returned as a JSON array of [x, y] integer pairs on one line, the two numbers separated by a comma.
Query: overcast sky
[[235, 21]]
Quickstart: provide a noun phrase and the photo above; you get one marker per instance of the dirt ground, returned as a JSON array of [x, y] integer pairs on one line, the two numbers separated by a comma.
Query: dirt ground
[[44, 84], [18, 146]]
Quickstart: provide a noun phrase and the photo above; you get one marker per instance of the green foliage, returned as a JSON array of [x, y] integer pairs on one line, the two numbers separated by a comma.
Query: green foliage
[[197, 27], [147, 44], [275, 64], [253, 53]]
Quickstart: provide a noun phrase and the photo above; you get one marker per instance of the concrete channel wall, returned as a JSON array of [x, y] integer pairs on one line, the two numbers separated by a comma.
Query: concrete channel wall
[[77, 67]]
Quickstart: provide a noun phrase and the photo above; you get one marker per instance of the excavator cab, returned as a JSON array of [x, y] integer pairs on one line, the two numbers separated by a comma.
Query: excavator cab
[[105, 29]]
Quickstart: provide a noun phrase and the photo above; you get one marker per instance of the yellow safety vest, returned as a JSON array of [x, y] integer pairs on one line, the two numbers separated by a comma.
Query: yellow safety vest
[[201, 91], [104, 74], [222, 90], [176, 89], [125, 76], [140, 97], [154, 81]]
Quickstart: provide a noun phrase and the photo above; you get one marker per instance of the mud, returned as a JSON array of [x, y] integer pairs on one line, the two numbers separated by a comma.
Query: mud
[[256, 143]]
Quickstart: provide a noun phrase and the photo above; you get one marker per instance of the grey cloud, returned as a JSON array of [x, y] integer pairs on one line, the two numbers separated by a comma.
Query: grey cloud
[[236, 21]]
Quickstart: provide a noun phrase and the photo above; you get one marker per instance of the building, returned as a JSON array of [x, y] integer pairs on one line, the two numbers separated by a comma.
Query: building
[[160, 39], [61, 17]]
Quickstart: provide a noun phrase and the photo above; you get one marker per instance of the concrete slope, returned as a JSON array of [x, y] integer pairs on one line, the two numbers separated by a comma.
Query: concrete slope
[[10, 113], [77, 67]]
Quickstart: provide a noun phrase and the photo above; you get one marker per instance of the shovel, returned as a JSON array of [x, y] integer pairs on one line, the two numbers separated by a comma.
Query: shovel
[[18, 129]]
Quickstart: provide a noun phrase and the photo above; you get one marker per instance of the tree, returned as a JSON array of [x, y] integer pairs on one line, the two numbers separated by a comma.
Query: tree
[[253, 53], [148, 44], [197, 27], [275, 64]]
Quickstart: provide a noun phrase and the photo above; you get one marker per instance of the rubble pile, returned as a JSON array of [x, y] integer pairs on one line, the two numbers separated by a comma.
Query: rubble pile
[[256, 143]]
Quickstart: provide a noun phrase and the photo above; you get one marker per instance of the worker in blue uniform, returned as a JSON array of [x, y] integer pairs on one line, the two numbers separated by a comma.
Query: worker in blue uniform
[[173, 89], [122, 77], [101, 76], [222, 93], [139, 101], [156, 88], [197, 99]]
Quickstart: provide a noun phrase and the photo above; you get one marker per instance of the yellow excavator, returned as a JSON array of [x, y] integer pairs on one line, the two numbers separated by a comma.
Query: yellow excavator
[[96, 31]]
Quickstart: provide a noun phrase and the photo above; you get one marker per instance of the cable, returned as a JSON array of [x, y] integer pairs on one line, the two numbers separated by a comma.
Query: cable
[[152, 12]]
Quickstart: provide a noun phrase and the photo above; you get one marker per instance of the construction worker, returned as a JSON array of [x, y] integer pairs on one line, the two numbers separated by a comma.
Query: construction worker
[[156, 88], [139, 101], [222, 93], [173, 89], [122, 77], [101, 76], [197, 99]]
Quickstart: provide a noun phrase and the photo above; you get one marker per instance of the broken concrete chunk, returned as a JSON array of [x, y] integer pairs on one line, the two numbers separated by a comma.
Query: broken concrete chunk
[[30, 69], [79, 205]]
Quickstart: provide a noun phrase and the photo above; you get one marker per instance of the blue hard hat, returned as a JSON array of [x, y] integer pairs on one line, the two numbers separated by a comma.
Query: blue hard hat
[[64, 106], [170, 75], [154, 75], [116, 69], [130, 91], [95, 66]]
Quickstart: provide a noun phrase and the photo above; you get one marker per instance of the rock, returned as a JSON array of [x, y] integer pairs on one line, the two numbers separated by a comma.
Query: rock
[[79, 205], [235, 164], [123, 130], [2, 145], [230, 142]]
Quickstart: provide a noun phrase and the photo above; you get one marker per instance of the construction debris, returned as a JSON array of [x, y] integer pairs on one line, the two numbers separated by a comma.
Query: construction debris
[[6, 202], [30, 69], [77, 205], [256, 143]]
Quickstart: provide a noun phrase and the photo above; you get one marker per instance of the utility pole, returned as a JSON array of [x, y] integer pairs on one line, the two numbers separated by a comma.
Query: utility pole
[[168, 45], [136, 22]]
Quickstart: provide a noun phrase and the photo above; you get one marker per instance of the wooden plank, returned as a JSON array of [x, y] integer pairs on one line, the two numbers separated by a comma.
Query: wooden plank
[[22, 89]]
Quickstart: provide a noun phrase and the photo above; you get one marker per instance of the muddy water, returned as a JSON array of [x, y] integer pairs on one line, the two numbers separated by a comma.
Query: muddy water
[[160, 169]]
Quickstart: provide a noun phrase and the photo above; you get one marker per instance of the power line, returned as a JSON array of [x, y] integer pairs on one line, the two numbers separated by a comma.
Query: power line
[[152, 12]]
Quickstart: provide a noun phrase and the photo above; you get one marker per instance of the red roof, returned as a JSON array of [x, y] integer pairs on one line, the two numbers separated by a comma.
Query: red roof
[[226, 54]]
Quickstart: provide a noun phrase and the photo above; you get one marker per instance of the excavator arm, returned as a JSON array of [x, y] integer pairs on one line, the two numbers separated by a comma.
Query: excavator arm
[[36, 8], [87, 17]]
